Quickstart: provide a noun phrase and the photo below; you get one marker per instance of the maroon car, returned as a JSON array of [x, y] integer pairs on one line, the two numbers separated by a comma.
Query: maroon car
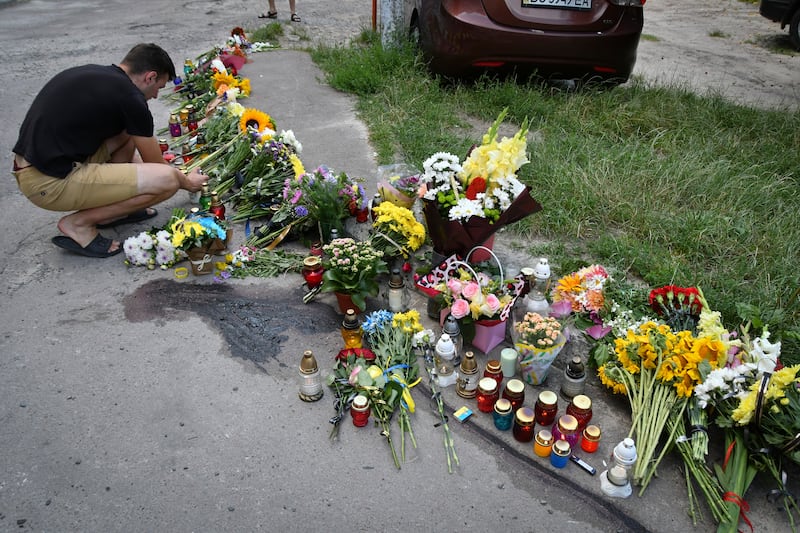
[[561, 39]]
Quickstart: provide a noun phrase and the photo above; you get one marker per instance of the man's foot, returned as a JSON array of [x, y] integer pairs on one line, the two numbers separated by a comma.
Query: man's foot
[[136, 216], [83, 237], [269, 15], [295, 17], [99, 247]]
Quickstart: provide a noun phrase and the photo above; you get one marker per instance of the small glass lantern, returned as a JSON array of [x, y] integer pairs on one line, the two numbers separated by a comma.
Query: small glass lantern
[[451, 328], [310, 383], [540, 284], [397, 295]]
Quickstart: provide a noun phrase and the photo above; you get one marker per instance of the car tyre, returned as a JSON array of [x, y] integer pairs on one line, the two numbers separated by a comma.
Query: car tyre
[[794, 30]]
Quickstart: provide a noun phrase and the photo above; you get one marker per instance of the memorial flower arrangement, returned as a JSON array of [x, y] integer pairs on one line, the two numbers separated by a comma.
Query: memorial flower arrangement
[[465, 203], [481, 297], [396, 231], [538, 331], [151, 249], [194, 230], [352, 267], [658, 368], [401, 187], [387, 379]]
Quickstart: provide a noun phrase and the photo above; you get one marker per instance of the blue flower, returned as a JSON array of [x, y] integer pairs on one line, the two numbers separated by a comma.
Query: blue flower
[[376, 321], [300, 211]]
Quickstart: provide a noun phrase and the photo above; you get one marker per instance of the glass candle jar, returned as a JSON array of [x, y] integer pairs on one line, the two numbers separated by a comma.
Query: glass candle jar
[[312, 271], [503, 415], [359, 410], [514, 392], [590, 438], [566, 428], [559, 454], [494, 371], [546, 408], [543, 443], [523, 424], [487, 395], [581, 408], [352, 333]]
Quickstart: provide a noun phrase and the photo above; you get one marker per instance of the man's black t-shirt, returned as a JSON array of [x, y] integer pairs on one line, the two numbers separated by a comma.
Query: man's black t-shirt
[[78, 110]]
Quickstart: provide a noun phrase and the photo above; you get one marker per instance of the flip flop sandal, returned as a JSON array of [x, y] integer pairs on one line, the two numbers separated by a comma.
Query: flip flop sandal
[[136, 216], [295, 18], [97, 248], [269, 15]]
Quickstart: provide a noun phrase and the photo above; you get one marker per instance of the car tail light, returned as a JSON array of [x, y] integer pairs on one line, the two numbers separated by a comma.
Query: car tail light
[[488, 64], [632, 3]]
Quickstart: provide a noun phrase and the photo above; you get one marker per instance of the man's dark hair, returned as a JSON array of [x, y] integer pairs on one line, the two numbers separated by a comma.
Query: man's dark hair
[[145, 57]]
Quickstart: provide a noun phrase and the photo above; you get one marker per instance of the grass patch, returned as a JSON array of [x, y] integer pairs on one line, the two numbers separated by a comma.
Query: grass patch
[[718, 33], [666, 185], [648, 37], [267, 33]]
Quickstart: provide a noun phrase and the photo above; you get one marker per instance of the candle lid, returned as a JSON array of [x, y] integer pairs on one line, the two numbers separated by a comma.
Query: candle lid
[[308, 364], [568, 423], [311, 261], [493, 365], [592, 432], [360, 401], [502, 406], [618, 476], [487, 384], [581, 401], [544, 437], [562, 447], [515, 386], [525, 415], [548, 397]]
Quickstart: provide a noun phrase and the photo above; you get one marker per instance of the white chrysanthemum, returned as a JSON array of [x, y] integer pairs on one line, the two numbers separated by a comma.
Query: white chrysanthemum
[[145, 241], [163, 238], [465, 209], [130, 246], [288, 137]]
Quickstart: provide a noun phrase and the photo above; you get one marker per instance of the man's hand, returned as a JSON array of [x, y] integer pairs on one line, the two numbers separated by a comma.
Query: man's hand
[[194, 181]]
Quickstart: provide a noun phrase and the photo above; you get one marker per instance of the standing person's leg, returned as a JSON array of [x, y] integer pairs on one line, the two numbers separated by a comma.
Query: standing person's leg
[[272, 13], [292, 8]]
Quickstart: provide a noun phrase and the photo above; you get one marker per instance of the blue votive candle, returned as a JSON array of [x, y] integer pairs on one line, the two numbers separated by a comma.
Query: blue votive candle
[[503, 417]]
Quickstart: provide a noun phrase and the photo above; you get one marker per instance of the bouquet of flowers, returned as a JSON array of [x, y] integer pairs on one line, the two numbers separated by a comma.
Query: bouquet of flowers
[[387, 378], [582, 295], [320, 199], [538, 341], [538, 331], [466, 203], [658, 368], [352, 267], [396, 231], [194, 230], [151, 248], [398, 184]]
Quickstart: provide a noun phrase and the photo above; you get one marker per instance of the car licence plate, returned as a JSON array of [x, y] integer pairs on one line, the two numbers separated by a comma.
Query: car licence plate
[[563, 4]]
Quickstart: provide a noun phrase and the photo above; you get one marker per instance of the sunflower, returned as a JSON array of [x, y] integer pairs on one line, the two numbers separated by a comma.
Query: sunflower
[[256, 119]]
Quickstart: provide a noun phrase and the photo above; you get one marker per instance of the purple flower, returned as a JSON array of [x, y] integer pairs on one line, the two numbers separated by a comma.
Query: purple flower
[[300, 211]]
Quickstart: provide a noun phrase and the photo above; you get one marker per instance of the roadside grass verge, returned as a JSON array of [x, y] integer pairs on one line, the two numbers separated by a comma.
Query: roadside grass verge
[[667, 186]]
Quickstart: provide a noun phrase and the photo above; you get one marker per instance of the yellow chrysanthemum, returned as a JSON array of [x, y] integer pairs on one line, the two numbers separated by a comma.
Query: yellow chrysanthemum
[[255, 119], [297, 165]]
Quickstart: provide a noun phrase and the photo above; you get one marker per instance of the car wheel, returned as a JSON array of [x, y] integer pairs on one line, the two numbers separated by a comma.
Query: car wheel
[[794, 30]]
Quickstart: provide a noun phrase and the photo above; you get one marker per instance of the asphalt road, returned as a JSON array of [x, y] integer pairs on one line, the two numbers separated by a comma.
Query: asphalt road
[[132, 401]]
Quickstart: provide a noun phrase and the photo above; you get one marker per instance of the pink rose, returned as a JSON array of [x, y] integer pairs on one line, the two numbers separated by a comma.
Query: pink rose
[[470, 290], [455, 286], [459, 309], [493, 302]]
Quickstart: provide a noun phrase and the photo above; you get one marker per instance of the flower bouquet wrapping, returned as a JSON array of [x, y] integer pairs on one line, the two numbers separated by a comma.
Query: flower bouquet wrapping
[[481, 302], [465, 204], [385, 374], [539, 341], [398, 184], [195, 234], [580, 295]]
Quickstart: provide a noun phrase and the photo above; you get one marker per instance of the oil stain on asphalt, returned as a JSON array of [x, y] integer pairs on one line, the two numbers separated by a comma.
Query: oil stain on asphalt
[[246, 316]]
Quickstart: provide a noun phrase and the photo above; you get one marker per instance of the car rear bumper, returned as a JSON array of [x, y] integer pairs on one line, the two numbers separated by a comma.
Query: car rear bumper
[[460, 45]]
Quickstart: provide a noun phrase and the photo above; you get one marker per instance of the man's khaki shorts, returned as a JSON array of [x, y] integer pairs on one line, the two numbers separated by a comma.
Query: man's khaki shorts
[[93, 183]]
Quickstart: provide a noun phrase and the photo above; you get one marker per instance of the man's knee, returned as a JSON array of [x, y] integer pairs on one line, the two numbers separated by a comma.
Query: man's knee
[[155, 178]]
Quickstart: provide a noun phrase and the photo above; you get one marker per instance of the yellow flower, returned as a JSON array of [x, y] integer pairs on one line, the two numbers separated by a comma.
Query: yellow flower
[[297, 166], [256, 119], [605, 374], [223, 79], [244, 86], [408, 321]]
